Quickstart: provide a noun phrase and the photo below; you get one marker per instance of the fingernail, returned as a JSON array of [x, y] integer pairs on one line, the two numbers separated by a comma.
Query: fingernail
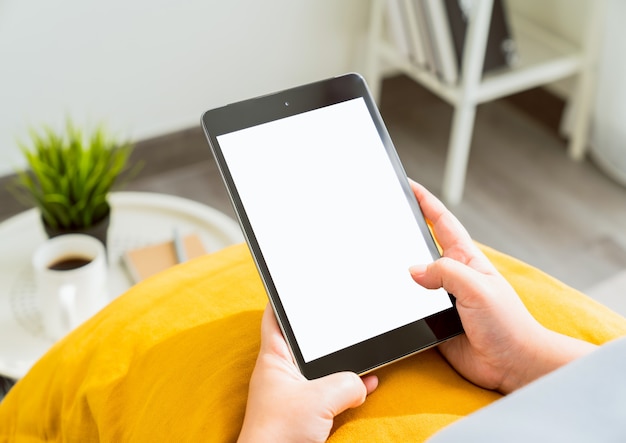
[[418, 270]]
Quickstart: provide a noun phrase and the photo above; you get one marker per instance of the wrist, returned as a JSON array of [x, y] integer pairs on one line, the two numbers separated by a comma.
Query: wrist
[[547, 351], [254, 433]]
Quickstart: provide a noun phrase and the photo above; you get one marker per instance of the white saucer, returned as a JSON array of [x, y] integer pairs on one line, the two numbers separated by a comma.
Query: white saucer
[[138, 219]]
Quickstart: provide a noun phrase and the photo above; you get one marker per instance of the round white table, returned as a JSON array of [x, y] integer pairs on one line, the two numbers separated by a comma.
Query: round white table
[[137, 219]]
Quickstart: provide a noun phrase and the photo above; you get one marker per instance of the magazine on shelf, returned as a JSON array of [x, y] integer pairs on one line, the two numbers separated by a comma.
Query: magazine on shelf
[[441, 38], [432, 35], [405, 32], [500, 51], [415, 9], [415, 34], [396, 26]]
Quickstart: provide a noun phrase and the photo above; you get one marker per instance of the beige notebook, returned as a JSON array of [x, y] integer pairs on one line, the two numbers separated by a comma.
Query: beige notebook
[[149, 260]]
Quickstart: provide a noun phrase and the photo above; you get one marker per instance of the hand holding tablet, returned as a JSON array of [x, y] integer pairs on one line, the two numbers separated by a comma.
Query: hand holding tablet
[[322, 199], [332, 224]]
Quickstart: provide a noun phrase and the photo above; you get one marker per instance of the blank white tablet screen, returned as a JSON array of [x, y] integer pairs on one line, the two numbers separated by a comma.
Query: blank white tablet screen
[[333, 225]]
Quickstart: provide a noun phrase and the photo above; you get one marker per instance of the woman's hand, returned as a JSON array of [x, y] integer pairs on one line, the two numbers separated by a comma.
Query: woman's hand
[[503, 347], [283, 405]]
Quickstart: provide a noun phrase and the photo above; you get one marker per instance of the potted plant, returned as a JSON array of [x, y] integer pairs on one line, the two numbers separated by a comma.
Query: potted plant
[[69, 177]]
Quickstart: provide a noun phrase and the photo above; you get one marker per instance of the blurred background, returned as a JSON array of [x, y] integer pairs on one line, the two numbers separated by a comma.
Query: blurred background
[[149, 69]]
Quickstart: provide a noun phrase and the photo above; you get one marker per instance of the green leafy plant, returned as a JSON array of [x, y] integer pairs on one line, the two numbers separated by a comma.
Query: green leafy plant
[[70, 175]]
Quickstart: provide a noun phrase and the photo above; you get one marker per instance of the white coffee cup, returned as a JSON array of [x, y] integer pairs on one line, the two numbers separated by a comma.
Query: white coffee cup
[[71, 274]]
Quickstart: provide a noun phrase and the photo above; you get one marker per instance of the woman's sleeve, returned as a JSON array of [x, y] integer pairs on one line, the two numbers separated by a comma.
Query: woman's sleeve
[[581, 402]]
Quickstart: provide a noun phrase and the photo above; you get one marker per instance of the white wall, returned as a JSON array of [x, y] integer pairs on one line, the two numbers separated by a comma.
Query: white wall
[[148, 67], [566, 18]]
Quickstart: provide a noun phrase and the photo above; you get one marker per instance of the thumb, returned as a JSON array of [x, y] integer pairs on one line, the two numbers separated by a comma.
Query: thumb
[[455, 277], [341, 391]]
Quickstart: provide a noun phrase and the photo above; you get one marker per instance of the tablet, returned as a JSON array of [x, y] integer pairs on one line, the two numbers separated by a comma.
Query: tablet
[[332, 224]]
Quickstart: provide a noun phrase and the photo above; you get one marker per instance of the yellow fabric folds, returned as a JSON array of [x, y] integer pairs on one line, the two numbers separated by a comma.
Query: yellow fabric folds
[[170, 361]]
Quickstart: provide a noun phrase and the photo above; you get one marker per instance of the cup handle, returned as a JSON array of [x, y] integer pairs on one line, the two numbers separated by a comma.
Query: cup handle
[[67, 301]]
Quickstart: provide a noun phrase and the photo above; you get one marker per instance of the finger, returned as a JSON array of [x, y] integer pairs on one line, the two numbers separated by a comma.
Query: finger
[[269, 324], [449, 232], [272, 339], [370, 382], [342, 390], [458, 279]]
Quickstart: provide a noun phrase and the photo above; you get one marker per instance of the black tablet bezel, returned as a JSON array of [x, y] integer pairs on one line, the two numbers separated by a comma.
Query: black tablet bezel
[[377, 351]]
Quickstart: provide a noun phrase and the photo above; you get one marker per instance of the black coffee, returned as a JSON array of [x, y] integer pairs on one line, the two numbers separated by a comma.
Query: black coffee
[[69, 263]]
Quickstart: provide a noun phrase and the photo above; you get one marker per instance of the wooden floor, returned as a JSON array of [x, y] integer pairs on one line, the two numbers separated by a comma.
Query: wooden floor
[[523, 195]]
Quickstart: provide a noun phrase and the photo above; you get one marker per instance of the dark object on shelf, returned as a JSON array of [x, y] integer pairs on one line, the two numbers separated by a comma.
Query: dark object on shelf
[[501, 50]]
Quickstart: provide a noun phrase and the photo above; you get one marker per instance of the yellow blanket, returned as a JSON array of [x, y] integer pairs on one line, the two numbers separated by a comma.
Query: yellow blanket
[[170, 361]]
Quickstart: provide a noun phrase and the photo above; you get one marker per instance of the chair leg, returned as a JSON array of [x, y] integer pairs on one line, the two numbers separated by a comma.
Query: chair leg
[[580, 127], [374, 36], [585, 84], [458, 153]]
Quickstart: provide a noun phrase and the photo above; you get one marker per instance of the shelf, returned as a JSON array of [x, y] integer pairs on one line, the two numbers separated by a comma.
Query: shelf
[[543, 58]]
